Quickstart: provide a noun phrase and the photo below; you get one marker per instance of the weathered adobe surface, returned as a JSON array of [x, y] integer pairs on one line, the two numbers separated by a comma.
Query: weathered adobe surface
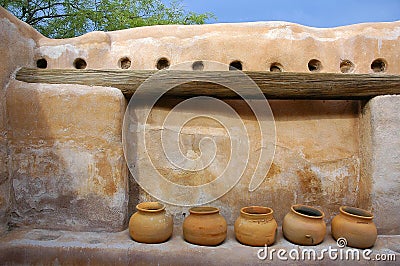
[[256, 45], [63, 171], [17, 45], [38, 247], [65, 165]]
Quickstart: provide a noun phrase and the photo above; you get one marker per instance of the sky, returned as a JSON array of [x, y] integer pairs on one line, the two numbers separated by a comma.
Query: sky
[[315, 13]]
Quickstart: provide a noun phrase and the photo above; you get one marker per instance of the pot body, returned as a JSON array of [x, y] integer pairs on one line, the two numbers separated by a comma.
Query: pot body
[[356, 226], [150, 224], [256, 226], [204, 226], [304, 225]]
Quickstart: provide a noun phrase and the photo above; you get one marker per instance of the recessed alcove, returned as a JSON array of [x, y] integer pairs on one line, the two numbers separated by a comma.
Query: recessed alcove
[[320, 145]]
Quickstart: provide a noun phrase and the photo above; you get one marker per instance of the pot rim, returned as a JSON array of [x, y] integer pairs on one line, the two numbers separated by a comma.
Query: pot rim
[[203, 210], [307, 216], [269, 210], [150, 206], [368, 215]]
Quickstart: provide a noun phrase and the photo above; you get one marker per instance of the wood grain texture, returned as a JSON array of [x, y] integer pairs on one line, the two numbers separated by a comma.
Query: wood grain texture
[[285, 85]]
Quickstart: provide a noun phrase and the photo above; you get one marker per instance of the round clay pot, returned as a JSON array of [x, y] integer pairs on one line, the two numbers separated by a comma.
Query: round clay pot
[[150, 224], [204, 226], [304, 225], [356, 226], [256, 226]]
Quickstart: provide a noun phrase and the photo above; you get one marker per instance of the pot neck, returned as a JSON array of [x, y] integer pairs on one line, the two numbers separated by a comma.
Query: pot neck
[[150, 207], [203, 210], [257, 213], [307, 211], [356, 213]]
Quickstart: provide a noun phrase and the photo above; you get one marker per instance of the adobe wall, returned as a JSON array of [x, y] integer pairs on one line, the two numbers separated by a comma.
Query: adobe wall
[[66, 165], [381, 117], [63, 172], [18, 42]]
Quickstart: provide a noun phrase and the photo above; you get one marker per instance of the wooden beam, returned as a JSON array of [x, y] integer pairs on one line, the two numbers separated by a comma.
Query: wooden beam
[[285, 85]]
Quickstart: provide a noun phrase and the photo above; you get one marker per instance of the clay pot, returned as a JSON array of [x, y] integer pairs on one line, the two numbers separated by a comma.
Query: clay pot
[[304, 225], [204, 226], [256, 226], [150, 224], [356, 226]]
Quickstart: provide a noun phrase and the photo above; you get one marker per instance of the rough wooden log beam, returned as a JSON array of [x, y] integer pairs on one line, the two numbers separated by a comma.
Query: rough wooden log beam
[[284, 85]]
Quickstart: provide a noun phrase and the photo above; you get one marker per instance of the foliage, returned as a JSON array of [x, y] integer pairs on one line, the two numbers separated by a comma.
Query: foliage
[[69, 18]]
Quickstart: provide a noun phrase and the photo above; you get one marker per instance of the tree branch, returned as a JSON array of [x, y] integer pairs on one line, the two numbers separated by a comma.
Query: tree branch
[[38, 19], [48, 6], [32, 20]]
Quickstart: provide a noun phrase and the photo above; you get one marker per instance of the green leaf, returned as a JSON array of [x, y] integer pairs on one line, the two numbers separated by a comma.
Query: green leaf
[[70, 18]]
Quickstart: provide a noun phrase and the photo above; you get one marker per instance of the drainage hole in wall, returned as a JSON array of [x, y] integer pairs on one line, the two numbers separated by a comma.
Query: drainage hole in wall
[[41, 63], [379, 65], [235, 65], [80, 63], [198, 65], [276, 67], [162, 63], [346, 66], [124, 63], [314, 65]]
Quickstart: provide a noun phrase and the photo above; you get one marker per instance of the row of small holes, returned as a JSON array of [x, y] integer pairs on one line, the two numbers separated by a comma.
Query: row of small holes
[[346, 66], [314, 65]]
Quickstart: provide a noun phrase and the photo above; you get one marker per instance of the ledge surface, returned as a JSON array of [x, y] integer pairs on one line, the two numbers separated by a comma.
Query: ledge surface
[[44, 247]]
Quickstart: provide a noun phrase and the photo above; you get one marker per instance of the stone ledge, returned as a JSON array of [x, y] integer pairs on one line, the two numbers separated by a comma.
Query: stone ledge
[[34, 246]]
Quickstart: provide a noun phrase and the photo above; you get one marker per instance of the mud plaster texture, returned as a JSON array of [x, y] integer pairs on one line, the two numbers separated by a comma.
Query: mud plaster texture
[[61, 158], [43, 247], [16, 49], [68, 172], [384, 167]]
